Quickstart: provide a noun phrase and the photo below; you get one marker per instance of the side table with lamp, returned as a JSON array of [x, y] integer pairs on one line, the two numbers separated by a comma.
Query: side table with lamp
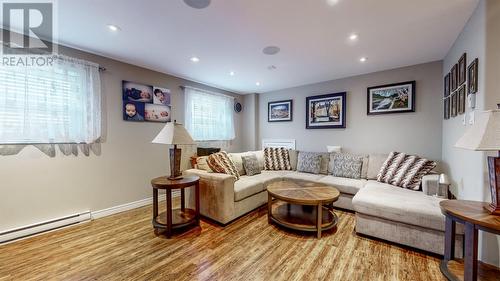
[[483, 135], [175, 134]]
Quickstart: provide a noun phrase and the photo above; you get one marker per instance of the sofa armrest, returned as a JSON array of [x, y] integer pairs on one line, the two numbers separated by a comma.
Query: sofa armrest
[[430, 184], [216, 194]]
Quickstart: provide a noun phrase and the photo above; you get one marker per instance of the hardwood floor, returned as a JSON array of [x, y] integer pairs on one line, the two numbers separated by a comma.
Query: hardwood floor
[[124, 247]]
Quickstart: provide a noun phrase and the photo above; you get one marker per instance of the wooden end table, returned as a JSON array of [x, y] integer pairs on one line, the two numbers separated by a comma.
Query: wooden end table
[[473, 215], [297, 195], [175, 218]]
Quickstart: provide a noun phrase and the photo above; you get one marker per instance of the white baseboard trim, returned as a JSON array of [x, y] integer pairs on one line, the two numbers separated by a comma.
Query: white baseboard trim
[[128, 206], [11, 235]]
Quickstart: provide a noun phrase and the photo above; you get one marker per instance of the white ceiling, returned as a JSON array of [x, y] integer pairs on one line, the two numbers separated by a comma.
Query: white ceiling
[[229, 35]]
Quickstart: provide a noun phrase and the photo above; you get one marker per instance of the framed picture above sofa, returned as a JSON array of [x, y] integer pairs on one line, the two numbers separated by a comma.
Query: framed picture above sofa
[[280, 111], [326, 111], [391, 98]]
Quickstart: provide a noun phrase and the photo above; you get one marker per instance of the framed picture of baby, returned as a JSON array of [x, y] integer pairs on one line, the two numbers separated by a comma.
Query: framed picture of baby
[[137, 92], [157, 113], [161, 96], [133, 111]]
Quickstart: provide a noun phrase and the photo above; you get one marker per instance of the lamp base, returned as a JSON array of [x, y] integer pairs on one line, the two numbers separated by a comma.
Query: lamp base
[[175, 164], [494, 173]]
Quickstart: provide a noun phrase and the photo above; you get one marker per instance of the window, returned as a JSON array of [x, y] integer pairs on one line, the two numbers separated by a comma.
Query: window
[[208, 116], [53, 104]]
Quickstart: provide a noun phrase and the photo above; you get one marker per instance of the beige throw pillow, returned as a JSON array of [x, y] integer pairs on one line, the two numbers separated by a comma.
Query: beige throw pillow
[[221, 163]]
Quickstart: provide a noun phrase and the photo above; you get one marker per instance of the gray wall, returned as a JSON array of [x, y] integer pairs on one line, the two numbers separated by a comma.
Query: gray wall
[[479, 39], [36, 187], [418, 132]]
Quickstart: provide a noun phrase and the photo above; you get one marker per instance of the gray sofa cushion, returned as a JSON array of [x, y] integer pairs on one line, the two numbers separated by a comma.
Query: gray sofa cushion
[[251, 165], [247, 186], [344, 185], [309, 162], [400, 205], [347, 165]]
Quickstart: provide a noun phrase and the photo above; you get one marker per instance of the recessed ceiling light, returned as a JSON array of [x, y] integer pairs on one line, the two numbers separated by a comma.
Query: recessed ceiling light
[[194, 59], [197, 4], [257, 83], [271, 50], [231, 73], [332, 2], [353, 37], [113, 27], [363, 59]]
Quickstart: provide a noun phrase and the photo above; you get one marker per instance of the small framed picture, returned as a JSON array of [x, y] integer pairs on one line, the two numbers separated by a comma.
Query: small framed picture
[[161, 96], [446, 85], [326, 111], [454, 101], [461, 100], [280, 111], [133, 111], [137, 92], [157, 113], [391, 98], [462, 65], [472, 77], [454, 77], [446, 108]]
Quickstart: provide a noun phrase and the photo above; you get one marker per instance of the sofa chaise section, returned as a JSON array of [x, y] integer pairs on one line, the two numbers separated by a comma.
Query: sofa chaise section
[[402, 216]]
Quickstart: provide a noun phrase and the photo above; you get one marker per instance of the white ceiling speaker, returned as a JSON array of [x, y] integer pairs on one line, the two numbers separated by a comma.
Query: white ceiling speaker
[[197, 4], [271, 50]]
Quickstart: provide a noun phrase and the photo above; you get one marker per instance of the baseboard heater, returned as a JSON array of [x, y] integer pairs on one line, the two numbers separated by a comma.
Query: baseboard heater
[[29, 230]]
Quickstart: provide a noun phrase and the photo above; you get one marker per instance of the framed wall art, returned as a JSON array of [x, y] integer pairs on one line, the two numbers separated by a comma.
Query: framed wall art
[[391, 98], [280, 111], [145, 103], [461, 100], [472, 77], [326, 111], [454, 77], [462, 65], [453, 106], [446, 85], [446, 108]]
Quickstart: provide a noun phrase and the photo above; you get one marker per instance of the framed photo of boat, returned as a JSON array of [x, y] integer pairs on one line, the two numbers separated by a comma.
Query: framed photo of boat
[[391, 98], [326, 111]]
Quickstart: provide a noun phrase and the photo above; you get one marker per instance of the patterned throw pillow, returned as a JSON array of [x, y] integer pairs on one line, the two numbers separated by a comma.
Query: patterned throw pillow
[[251, 165], [347, 165], [276, 158], [220, 163], [403, 170], [309, 162]]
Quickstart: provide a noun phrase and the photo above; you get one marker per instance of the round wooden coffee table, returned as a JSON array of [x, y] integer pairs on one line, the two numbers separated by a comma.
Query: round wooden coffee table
[[304, 205]]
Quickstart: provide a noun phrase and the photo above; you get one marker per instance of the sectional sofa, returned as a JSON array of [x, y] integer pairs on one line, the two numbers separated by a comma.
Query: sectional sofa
[[403, 216]]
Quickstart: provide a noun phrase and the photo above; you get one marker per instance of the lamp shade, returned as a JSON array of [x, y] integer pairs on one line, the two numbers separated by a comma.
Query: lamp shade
[[174, 133], [484, 134], [444, 179]]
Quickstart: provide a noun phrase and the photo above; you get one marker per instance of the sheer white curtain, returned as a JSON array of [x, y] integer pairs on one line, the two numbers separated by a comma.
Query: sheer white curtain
[[58, 104], [209, 117]]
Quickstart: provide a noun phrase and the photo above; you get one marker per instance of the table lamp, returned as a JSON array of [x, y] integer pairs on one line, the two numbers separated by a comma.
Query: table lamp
[[444, 180], [484, 135], [174, 133]]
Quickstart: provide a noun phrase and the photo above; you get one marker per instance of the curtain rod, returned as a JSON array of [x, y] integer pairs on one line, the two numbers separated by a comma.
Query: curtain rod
[[206, 91]]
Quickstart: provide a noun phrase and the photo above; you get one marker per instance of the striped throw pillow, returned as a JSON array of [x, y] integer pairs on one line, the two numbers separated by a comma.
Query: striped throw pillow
[[403, 170], [276, 158], [221, 163]]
